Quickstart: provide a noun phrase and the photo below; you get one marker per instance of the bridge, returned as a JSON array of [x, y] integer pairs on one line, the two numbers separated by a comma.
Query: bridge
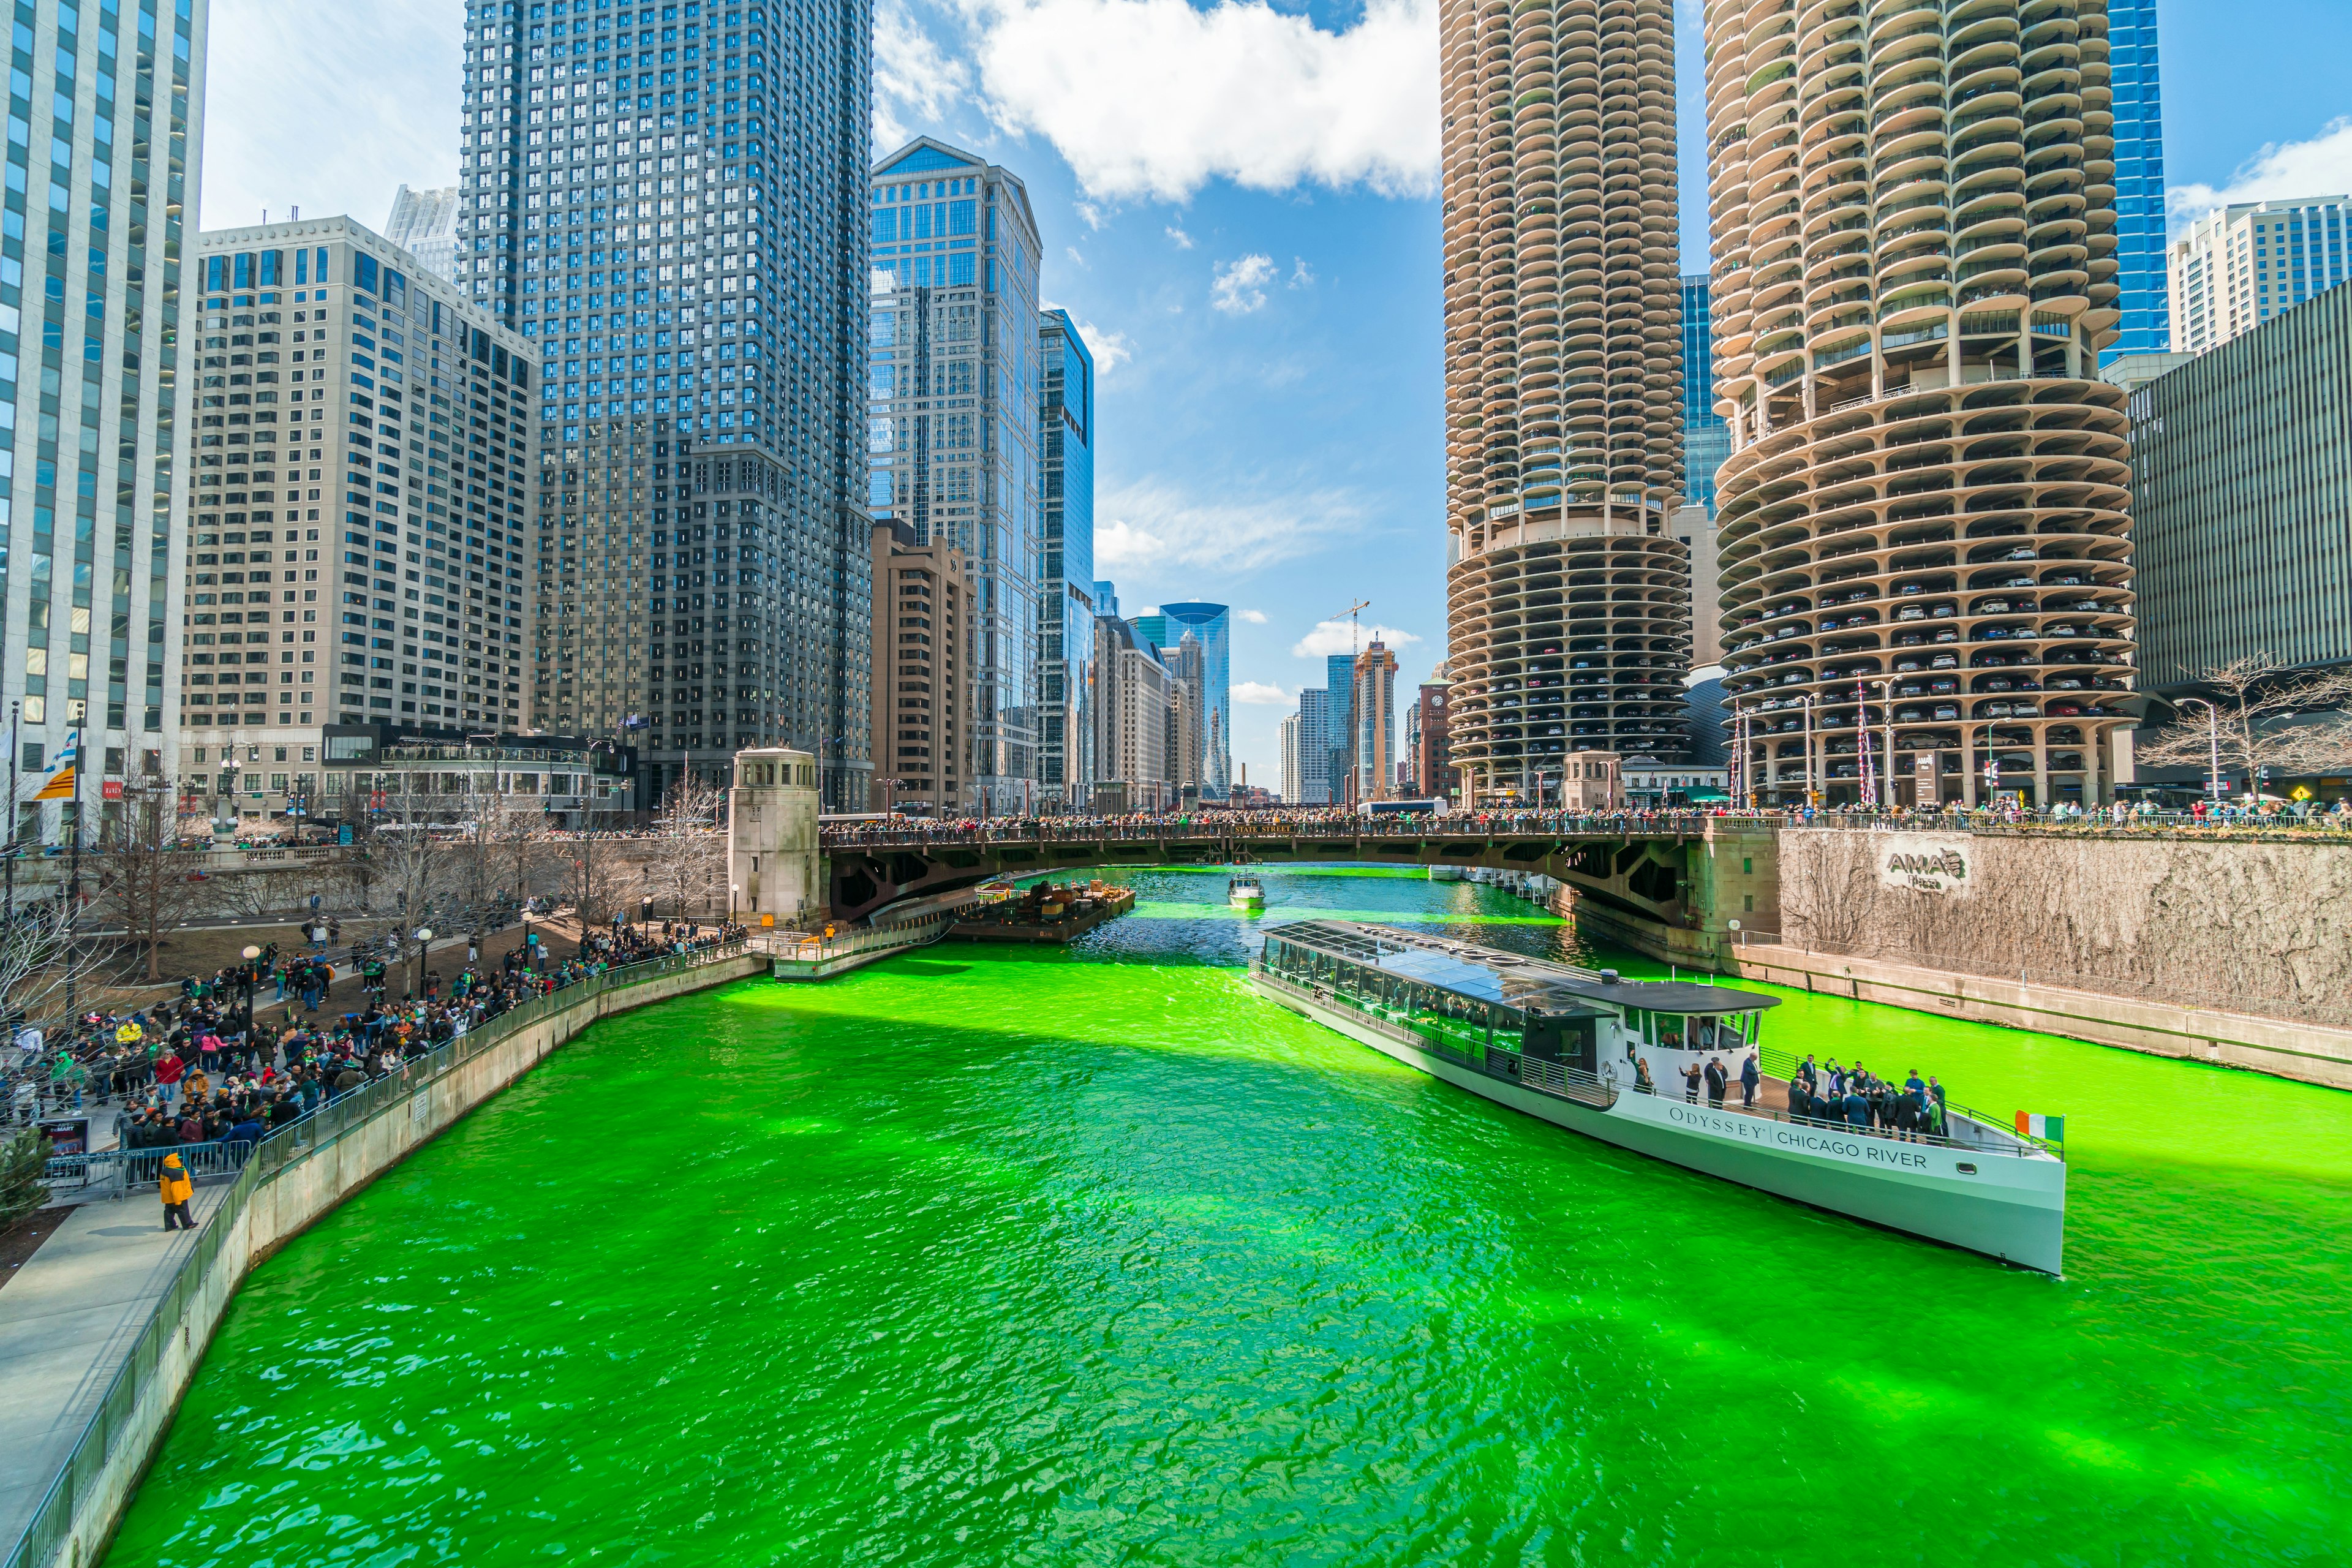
[[1668, 884]]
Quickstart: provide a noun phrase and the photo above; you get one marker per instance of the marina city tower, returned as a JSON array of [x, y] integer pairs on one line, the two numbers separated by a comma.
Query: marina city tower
[[1926, 582], [670, 199], [1567, 600]]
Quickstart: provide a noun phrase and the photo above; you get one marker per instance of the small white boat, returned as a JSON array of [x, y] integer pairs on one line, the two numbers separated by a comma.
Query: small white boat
[[1246, 893]]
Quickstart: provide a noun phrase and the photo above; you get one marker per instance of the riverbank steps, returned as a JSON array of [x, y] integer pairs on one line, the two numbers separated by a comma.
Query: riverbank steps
[[988, 1256]]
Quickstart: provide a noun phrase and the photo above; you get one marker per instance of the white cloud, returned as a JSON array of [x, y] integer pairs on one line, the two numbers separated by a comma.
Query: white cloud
[[385, 77], [1155, 98], [915, 80], [1091, 214], [1150, 527], [1239, 286], [1183, 241], [1259, 693], [1301, 276], [1111, 350], [1255, 618], [2321, 166], [1338, 636], [1072, 252]]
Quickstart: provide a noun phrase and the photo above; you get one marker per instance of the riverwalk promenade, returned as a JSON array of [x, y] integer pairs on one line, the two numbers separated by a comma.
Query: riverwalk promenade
[[102, 1331]]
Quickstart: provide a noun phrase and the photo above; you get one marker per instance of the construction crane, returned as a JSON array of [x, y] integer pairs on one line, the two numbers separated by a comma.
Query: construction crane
[[1350, 612]]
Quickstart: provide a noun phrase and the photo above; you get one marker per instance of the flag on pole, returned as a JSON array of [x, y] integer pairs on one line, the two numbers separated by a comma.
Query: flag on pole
[[59, 783], [2050, 1129]]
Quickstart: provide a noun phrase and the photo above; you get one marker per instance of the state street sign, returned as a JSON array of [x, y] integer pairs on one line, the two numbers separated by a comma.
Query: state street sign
[[1936, 863]]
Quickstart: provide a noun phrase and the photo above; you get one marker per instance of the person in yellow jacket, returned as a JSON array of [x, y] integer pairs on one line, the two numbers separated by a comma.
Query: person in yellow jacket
[[174, 1185]]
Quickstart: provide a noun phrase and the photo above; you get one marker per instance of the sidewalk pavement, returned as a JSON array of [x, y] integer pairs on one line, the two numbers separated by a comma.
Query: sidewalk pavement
[[69, 1320]]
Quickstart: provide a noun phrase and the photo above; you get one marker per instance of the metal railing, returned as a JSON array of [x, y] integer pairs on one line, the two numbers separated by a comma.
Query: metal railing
[[120, 1168], [810, 947], [52, 1521], [1210, 830]]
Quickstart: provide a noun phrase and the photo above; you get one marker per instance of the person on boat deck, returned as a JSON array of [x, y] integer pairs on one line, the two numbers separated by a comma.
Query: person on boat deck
[[1810, 1072], [1642, 1075], [1671, 1038], [1690, 1083], [1717, 1081], [1749, 1081], [1703, 1035], [1857, 1109]]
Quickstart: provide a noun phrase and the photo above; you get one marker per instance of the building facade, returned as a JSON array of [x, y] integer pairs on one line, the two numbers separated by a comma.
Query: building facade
[[952, 423], [1313, 787], [1372, 711], [1432, 757], [425, 225], [1705, 441], [1563, 382], [105, 103], [2144, 321], [1211, 626], [1288, 742], [1924, 515], [362, 477], [1339, 724], [2242, 489], [1187, 717], [922, 646], [671, 203], [1066, 533], [1132, 696], [2237, 267]]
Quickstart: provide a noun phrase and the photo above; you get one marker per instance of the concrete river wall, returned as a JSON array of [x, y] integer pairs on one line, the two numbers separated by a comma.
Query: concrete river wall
[[295, 1179]]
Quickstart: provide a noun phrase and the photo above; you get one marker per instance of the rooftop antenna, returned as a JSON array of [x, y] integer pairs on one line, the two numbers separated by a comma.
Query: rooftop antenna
[[1350, 613]]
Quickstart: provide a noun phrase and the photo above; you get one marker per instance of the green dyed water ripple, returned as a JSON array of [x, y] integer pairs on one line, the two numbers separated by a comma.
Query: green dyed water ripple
[[998, 1257]]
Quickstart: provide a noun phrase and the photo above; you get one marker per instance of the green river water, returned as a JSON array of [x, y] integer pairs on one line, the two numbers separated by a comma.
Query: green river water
[[988, 1256]]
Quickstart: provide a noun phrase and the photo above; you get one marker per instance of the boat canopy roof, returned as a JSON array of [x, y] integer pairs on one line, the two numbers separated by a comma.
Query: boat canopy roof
[[1491, 974]]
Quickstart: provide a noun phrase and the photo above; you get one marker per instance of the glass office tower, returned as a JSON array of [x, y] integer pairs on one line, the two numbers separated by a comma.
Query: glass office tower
[[1212, 624], [1706, 441], [670, 199], [1066, 606], [104, 102], [2146, 325]]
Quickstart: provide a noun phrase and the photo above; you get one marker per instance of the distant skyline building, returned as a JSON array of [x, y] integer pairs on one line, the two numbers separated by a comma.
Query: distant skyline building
[[1188, 715], [2242, 483], [1373, 710], [1133, 693], [1564, 385], [922, 616], [1066, 606], [1706, 441], [1340, 724], [2145, 324], [1212, 624], [1433, 762], [99, 390], [686, 240], [1314, 786], [1105, 598], [425, 225], [1291, 776], [2237, 267], [952, 426]]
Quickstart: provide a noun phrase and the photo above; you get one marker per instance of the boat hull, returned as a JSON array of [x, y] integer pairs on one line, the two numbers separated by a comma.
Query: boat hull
[[2009, 1207]]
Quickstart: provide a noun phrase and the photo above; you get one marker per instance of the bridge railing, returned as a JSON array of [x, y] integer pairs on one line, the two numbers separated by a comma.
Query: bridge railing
[[1590, 824]]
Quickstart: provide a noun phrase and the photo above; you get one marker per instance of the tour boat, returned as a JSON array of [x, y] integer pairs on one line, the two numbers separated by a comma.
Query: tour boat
[[1570, 1045], [1246, 893]]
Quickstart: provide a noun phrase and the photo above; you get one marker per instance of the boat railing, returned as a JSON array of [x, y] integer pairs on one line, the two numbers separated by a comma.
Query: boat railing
[[1966, 1131], [1976, 1129]]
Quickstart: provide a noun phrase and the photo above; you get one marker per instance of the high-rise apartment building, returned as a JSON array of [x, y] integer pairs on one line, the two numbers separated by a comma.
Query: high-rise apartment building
[[106, 101], [1314, 786], [1706, 441], [2239, 266], [1339, 723], [952, 420], [425, 225], [2144, 319], [1212, 625], [1188, 715], [1563, 383], [1291, 775], [1372, 710], [671, 202], [1132, 692], [2242, 483], [923, 630], [1066, 532], [1923, 517], [362, 479]]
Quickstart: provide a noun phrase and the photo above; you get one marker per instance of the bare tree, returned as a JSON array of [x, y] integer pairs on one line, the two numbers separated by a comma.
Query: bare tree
[[412, 876], [502, 851], [46, 963], [690, 844], [2262, 714], [144, 882]]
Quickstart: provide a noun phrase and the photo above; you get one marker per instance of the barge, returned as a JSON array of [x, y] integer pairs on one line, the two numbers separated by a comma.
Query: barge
[[1608, 1057]]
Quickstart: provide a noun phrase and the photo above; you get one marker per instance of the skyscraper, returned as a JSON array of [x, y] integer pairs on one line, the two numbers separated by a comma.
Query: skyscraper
[[1291, 759], [1706, 441], [951, 430], [1314, 786], [1066, 606], [107, 100], [1374, 710], [1339, 723], [425, 225], [2145, 324], [1923, 517], [1212, 624], [671, 201], [1563, 383], [2237, 267]]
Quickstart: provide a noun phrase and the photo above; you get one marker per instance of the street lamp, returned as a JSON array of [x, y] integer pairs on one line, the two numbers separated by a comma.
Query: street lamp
[[245, 978], [2212, 744], [416, 966]]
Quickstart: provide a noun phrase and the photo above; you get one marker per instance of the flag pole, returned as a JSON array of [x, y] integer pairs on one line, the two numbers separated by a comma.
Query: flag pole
[[73, 879]]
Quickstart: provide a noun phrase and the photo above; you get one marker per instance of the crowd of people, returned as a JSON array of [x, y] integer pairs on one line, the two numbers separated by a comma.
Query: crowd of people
[[227, 1063], [1855, 1097]]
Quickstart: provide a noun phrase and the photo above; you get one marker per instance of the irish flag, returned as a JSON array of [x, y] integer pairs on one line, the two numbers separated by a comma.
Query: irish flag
[[2052, 1128]]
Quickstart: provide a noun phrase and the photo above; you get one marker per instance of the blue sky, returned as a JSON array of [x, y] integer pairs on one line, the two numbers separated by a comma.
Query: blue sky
[[1236, 205]]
